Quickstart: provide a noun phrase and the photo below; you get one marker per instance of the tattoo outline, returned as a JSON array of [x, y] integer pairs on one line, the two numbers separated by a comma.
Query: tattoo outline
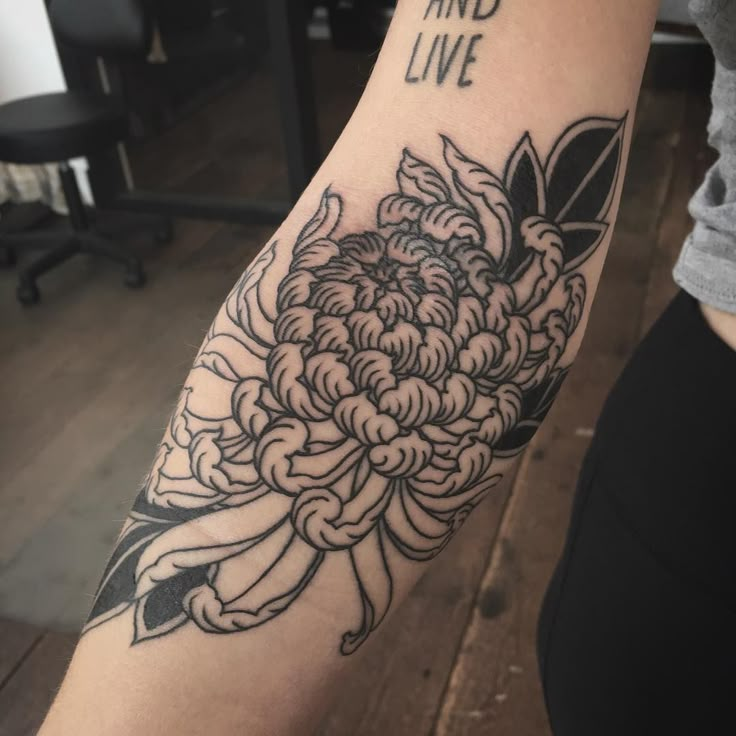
[[369, 397]]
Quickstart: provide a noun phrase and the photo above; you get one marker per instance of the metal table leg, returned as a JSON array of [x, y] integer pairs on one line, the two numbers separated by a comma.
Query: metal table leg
[[292, 67]]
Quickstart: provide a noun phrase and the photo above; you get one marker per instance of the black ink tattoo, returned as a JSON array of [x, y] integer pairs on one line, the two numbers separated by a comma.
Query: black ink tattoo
[[447, 52], [473, 9], [368, 399]]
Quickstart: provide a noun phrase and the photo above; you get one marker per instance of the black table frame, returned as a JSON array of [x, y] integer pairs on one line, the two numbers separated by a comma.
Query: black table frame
[[287, 28]]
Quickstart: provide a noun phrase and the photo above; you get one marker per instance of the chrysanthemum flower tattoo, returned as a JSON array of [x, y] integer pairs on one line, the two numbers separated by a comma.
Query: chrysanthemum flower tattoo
[[368, 397]]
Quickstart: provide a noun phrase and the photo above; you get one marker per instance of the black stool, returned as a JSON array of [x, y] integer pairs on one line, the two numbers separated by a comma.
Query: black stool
[[55, 128]]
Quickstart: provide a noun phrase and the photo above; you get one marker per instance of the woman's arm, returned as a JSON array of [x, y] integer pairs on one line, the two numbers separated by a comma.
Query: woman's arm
[[373, 374]]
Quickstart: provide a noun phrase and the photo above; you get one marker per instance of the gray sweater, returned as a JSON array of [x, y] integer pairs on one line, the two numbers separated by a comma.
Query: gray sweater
[[707, 265]]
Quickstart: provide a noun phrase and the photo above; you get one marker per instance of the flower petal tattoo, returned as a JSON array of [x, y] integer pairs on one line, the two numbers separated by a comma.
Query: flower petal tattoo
[[369, 397]]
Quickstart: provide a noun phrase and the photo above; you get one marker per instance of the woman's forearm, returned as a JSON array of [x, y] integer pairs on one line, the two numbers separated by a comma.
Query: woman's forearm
[[374, 372]]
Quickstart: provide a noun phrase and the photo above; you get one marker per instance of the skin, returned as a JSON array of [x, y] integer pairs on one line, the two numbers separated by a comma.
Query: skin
[[539, 67], [722, 323]]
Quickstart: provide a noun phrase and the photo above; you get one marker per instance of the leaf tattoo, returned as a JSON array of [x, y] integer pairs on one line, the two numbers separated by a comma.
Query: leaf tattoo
[[369, 397]]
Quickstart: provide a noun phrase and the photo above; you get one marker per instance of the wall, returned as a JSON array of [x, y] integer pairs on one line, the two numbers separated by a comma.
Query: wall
[[674, 11], [29, 63]]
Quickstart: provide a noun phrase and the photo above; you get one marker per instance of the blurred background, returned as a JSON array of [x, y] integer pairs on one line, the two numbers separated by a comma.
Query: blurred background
[[224, 109]]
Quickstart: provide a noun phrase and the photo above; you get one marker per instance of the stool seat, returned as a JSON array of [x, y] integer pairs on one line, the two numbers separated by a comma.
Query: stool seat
[[59, 126]]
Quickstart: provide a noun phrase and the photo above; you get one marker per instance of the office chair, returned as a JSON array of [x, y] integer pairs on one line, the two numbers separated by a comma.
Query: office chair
[[58, 127]]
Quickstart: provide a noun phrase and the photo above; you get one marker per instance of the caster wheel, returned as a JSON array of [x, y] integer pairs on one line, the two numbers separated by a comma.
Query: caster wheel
[[135, 277], [164, 233], [28, 293], [7, 257]]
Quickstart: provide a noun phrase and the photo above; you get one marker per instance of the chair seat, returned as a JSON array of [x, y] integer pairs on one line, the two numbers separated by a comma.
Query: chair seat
[[59, 126]]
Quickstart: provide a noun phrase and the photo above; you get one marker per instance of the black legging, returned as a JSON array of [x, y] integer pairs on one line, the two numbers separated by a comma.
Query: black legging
[[638, 630]]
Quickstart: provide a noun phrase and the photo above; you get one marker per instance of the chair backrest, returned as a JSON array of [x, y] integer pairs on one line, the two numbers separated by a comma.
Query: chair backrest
[[103, 27]]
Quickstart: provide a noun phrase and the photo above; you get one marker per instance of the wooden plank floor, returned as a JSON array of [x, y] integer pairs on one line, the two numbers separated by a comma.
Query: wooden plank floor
[[458, 658]]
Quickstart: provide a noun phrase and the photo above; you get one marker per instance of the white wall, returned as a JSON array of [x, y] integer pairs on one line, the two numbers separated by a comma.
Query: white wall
[[675, 11], [29, 63]]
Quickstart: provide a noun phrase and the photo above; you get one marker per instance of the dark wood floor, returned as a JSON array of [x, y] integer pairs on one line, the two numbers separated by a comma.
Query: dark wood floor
[[89, 378]]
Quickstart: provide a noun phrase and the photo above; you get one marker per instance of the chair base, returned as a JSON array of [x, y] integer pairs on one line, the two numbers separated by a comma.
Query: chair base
[[68, 245], [61, 245]]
